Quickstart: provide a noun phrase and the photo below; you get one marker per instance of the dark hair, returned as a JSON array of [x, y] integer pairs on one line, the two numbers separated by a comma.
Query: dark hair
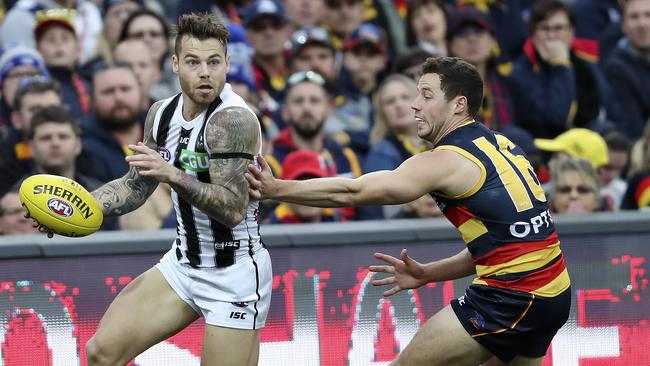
[[36, 85], [53, 114], [201, 26], [414, 56], [411, 7], [457, 77], [616, 141], [145, 12], [542, 10]]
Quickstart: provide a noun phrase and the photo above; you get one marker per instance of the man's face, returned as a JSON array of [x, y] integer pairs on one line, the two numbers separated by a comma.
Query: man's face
[[114, 19], [59, 47], [143, 63], [307, 107], [613, 169], [318, 58], [305, 12], [267, 34], [12, 216], [344, 16], [149, 29], [556, 27], [364, 62], [116, 98], [431, 108], [55, 147], [429, 23], [636, 23], [11, 82], [473, 44], [32, 103], [201, 66]]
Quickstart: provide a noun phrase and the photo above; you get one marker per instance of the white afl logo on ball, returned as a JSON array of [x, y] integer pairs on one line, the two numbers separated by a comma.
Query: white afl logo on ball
[[165, 154], [60, 207]]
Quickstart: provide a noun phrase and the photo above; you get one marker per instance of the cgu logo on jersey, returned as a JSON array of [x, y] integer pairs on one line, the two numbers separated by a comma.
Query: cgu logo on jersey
[[194, 161], [60, 207]]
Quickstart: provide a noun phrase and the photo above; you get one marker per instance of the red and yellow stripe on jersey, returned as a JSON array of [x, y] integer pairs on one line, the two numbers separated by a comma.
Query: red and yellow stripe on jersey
[[504, 218]]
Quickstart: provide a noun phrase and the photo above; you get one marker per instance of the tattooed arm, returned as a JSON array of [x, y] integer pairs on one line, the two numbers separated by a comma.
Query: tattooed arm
[[129, 192], [231, 130]]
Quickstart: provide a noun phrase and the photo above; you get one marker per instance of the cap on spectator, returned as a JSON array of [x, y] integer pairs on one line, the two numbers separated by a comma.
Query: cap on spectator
[[47, 18], [469, 15], [301, 163], [579, 143], [366, 34], [263, 8], [20, 55], [106, 4], [236, 34], [310, 35]]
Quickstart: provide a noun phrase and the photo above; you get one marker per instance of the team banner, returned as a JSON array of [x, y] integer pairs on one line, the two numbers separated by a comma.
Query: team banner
[[324, 310]]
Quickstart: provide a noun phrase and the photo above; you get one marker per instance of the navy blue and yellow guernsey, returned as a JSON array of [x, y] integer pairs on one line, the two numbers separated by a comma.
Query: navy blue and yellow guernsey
[[507, 227]]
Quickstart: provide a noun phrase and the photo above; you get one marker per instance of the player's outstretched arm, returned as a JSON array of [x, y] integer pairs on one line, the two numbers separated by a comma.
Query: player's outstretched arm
[[233, 138], [125, 194]]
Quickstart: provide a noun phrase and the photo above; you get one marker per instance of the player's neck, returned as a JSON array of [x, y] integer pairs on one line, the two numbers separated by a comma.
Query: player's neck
[[191, 109], [450, 126]]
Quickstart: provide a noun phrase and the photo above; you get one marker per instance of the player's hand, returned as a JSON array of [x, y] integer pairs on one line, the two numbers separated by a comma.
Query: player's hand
[[406, 273], [149, 163], [36, 224], [261, 181]]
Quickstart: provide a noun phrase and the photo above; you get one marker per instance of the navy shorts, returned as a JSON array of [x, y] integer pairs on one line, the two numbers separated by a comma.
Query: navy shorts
[[511, 323]]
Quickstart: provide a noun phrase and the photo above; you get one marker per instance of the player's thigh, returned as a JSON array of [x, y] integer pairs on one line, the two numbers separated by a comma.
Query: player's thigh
[[144, 313], [517, 361], [229, 346], [442, 340]]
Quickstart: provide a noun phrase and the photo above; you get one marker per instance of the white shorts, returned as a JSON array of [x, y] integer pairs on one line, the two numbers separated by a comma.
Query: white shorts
[[236, 296]]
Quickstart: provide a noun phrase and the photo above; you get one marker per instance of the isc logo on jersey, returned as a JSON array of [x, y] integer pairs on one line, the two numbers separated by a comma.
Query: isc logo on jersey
[[60, 207], [194, 161]]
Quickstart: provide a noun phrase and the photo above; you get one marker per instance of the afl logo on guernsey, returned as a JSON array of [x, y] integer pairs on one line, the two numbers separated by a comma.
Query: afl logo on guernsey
[[60, 207], [165, 154]]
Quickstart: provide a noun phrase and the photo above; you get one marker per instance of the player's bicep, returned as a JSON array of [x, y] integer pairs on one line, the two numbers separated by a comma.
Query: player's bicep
[[148, 138], [233, 139]]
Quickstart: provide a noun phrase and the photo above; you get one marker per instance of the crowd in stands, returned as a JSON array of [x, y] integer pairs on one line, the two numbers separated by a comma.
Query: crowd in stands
[[332, 83]]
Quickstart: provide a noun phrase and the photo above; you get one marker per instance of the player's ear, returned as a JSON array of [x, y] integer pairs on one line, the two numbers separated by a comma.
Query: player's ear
[[460, 106], [175, 64]]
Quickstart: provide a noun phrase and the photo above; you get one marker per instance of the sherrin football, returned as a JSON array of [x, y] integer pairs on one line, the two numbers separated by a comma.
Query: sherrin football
[[61, 204]]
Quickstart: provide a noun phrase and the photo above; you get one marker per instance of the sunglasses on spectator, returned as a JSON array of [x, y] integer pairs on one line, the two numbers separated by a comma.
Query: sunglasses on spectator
[[266, 22], [335, 4], [301, 76], [579, 189], [557, 28], [142, 34]]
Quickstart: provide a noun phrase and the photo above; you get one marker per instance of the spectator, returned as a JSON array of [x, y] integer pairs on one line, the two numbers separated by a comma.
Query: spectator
[[224, 9], [628, 68], [114, 13], [33, 94], [301, 165], [12, 215], [610, 175], [472, 39], [599, 20], [557, 83], [575, 188], [422, 208], [306, 108], [16, 64], [150, 27], [268, 29], [116, 123], [426, 26], [364, 60], [311, 48], [410, 62], [144, 66], [394, 137], [637, 195], [342, 17], [57, 41], [304, 13], [577, 143], [240, 75], [18, 25]]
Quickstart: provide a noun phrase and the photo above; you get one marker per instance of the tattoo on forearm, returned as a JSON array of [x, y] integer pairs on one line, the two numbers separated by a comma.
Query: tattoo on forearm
[[129, 192], [226, 198], [125, 194]]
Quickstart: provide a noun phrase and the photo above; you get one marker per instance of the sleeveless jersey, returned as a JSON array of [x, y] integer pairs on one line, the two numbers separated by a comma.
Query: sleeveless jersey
[[504, 219], [202, 241]]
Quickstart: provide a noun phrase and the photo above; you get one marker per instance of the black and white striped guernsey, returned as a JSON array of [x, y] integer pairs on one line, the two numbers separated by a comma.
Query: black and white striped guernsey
[[201, 241]]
